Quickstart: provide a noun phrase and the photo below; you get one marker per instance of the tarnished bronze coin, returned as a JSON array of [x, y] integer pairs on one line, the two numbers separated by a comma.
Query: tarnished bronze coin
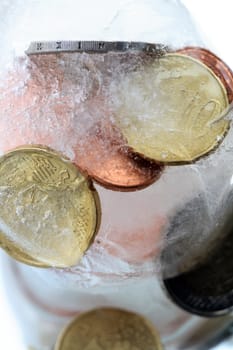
[[108, 328], [104, 156], [49, 211], [220, 69], [171, 110]]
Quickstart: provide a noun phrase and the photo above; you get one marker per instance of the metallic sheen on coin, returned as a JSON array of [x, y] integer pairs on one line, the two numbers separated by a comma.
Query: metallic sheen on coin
[[92, 46], [103, 155], [220, 69], [105, 329], [171, 110], [49, 211]]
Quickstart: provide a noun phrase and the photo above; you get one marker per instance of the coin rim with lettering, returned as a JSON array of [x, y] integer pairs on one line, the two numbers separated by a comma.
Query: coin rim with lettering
[[18, 254], [210, 149], [94, 46], [75, 321]]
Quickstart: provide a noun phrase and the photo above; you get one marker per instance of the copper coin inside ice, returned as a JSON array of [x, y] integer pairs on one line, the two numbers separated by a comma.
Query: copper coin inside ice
[[51, 100], [103, 155], [171, 110], [220, 68], [49, 211]]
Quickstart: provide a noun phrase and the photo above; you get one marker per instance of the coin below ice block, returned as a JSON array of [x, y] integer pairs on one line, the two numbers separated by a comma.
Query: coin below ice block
[[50, 212], [44, 309], [109, 329], [171, 110]]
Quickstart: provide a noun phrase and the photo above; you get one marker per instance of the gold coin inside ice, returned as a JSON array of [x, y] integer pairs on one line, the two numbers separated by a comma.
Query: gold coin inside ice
[[49, 212], [171, 110], [105, 329]]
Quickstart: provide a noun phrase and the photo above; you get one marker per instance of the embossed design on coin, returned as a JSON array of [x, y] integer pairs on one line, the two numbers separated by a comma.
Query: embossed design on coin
[[220, 69], [171, 110], [104, 329], [50, 212]]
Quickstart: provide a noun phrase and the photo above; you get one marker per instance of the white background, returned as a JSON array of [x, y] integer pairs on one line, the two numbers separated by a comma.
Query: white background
[[215, 19]]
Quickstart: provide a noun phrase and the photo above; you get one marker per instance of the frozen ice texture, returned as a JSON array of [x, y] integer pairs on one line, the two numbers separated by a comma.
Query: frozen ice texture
[[43, 310], [23, 21], [56, 100], [43, 301], [133, 224]]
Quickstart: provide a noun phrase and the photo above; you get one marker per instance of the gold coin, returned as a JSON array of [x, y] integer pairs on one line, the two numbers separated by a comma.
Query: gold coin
[[49, 211], [171, 110], [109, 329]]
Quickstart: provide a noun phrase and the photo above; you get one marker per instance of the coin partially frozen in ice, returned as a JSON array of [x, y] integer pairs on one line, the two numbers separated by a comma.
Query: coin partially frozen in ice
[[220, 68], [103, 156], [59, 105], [49, 211], [109, 328], [171, 110]]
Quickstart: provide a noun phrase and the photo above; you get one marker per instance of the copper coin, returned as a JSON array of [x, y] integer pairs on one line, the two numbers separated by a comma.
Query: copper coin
[[220, 69], [42, 102], [104, 156]]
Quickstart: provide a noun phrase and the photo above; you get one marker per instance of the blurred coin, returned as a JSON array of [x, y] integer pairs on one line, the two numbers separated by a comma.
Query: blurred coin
[[220, 69], [205, 286], [171, 110], [105, 329], [188, 240], [208, 289], [49, 211]]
